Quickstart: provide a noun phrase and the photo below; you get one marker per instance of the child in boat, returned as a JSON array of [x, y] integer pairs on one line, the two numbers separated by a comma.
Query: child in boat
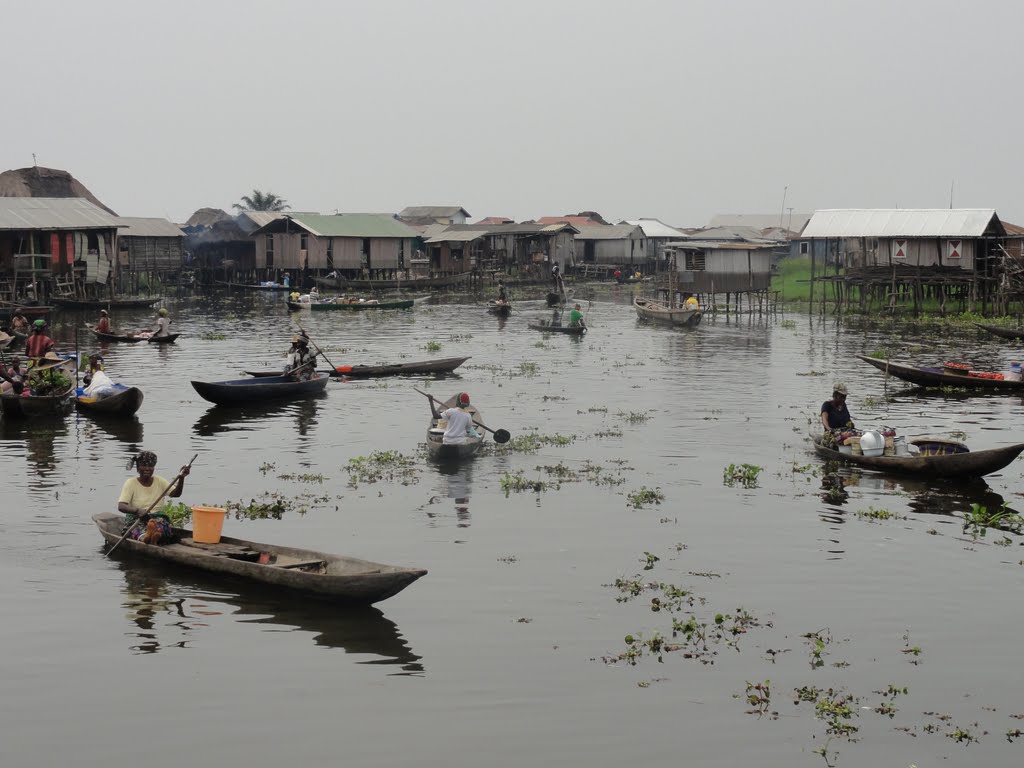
[[140, 493]]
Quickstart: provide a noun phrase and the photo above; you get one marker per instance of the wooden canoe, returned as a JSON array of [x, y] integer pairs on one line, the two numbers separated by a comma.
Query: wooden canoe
[[27, 406], [499, 308], [1002, 331], [950, 466], [416, 283], [443, 365], [441, 451], [937, 377], [170, 338], [331, 306], [656, 311], [124, 402], [28, 310], [258, 390], [548, 327], [255, 287], [121, 338], [69, 303], [311, 573]]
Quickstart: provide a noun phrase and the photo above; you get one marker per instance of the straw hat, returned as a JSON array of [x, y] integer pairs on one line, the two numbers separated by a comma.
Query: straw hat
[[839, 387], [4, 338], [48, 361]]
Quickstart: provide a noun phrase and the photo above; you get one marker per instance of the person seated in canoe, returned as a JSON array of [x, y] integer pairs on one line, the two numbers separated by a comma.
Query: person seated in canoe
[[38, 344], [19, 322], [103, 326], [576, 317], [314, 294], [502, 295], [97, 383], [835, 416], [163, 323], [460, 422], [140, 493], [691, 302], [12, 377], [300, 363]]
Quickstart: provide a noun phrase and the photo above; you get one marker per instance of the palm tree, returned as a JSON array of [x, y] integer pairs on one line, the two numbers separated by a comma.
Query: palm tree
[[262, 201]]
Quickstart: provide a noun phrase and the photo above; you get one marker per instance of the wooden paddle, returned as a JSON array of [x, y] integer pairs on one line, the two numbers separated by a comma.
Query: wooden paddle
[[501, 436], [316, 347], [167, 490]]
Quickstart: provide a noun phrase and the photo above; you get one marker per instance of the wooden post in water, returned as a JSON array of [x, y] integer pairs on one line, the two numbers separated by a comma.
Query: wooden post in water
[[813, 249]]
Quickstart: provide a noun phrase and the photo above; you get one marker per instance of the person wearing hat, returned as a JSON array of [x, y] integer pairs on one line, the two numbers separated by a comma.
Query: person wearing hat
[[460, 421], [834, 413], [103, 326], [19, 323], [163, 323], [300, 363], [576, 317], [38, 344]]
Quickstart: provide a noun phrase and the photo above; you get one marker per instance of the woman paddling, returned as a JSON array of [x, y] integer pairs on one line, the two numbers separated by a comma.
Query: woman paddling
[[140, 493]]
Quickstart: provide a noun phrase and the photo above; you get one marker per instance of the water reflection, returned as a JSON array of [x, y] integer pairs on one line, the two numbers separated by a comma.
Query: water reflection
[[167, 611], [456, 480], [123, 430], [221, 419], [42, 438]]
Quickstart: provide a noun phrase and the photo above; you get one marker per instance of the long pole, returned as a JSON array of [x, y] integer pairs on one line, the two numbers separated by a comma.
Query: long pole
[[782, 213]]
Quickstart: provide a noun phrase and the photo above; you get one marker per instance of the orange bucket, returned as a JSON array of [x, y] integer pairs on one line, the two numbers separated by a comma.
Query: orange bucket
[[207, 523]]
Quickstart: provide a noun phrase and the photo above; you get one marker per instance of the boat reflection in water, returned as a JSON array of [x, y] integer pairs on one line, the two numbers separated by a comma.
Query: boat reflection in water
[[119, 428], [220, 419], [42, 439], [168, 607], [456, 480]]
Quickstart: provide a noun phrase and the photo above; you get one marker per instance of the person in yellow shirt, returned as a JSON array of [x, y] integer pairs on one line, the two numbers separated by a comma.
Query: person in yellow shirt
[[140, 493], [691, 302]]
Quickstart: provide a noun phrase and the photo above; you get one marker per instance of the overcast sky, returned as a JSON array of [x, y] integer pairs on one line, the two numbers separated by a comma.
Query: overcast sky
[[660, 108]]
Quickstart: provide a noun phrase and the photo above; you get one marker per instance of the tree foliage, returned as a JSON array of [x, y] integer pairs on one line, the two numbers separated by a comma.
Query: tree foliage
[[261, 201]]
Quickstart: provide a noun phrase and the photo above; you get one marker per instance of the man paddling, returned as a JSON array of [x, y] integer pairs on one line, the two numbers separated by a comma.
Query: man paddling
[[460, 422]]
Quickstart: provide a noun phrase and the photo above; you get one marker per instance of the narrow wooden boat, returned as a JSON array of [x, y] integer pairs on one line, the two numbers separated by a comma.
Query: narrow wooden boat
[[28, 310], [301, 571], [121, 338], [441, 451], [416, 283], [357, 306], [648, 309], [548, 327], [443, 365], [937, 377], [28, 406], [258, 390], [124, 402], [272, 287], [949, 466], [170, 338], [69, 303], [499, 308], [1002, 331]]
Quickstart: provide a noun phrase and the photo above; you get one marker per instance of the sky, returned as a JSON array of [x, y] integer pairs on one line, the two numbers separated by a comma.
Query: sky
[[673, 109]]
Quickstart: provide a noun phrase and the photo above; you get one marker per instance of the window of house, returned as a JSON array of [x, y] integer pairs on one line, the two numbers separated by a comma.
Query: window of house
[[304, 241], [695, 261], [805, 248]]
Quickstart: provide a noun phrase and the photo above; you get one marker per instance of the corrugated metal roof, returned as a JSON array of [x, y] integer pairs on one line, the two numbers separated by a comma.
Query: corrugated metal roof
[[515, 229], [610, 232], [134, 226], [17, 213], [576, 221], [656, 228], [791, 221], [353, 225], [899, 222], [432, 211], [464, 236], [718, 245]]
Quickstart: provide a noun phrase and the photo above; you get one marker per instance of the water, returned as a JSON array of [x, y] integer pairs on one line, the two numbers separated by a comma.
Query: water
[[496, 656]]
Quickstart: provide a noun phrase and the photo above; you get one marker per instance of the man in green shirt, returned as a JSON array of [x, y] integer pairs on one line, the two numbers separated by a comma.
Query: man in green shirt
[[576, 317]]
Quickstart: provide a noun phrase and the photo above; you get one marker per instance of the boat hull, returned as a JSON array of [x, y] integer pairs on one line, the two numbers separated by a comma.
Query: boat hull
[[125, 402], [315, 574], [950, 466], [547, 327], [390, 285], [936, 377], [66, 303], [26, 407], [444, 365], [655, 311], [258, 390], [1004, 333]]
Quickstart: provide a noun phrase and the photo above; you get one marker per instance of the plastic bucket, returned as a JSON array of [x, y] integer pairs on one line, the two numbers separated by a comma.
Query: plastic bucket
[[207, 523]]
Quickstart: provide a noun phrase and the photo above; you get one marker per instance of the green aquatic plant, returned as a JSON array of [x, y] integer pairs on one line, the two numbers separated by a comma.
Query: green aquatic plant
[[516, 482], [979, 519], [531, 442], [878, 514], [744, 474], [644, 497], [788, 324], [528, 369], [432, 346], [382, 465]]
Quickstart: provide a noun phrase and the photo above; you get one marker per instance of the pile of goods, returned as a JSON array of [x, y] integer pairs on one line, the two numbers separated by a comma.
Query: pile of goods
[[963, 369], [882, 442]]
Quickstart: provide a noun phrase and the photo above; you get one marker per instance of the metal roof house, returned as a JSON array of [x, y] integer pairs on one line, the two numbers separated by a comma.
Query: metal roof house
[[352, 243], [52, 236], [525, 250], [721, 266], [658, 234], [433, 214], [957, 252], [620, 245], [150, 245]]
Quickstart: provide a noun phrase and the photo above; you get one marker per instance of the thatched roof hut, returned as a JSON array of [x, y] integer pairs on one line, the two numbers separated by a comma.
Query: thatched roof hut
[[45, 182]]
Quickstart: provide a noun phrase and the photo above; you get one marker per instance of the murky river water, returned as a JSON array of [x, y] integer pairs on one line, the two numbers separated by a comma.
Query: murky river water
[[499, 656]]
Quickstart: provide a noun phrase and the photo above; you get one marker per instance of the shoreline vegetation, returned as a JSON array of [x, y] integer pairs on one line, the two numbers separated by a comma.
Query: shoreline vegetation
[[792, 281]]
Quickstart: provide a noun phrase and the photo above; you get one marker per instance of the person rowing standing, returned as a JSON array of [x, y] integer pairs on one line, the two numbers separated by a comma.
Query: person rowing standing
[[103, 326]]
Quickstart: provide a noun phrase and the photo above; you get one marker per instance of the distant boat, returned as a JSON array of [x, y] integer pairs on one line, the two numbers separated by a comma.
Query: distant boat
[[648, 309], [441, 365], [258, 390], [269, 286], [548, 327], [416, 283], [69, 303]]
